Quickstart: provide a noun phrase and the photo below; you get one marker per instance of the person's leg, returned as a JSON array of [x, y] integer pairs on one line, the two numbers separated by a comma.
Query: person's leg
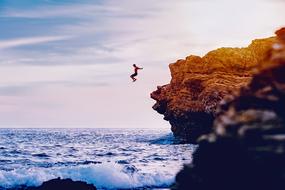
[[133, 77]]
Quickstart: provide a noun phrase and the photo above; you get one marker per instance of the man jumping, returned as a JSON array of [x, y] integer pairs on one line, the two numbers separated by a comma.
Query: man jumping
[[136, 72]]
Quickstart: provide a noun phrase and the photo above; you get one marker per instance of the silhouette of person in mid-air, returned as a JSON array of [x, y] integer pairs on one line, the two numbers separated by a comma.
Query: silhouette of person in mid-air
[[136, 72]]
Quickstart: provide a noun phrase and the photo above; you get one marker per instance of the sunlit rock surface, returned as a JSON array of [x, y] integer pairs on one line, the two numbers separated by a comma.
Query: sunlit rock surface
[[198, 84], [246, 149]]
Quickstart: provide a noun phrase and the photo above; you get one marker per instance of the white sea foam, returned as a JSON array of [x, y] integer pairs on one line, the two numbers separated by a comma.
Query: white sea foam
[[107, 158], [110, 176]]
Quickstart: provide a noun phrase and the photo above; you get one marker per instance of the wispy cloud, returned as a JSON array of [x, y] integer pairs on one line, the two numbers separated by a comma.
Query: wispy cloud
[[5, 44], [30, 88], [77, 55], [70, 11], [86, 9]]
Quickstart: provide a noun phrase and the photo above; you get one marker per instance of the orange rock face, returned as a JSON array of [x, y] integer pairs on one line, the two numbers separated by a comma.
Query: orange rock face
[[246, 148], [198, 84]]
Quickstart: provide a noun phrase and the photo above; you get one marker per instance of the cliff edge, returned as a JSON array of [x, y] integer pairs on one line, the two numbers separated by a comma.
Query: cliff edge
[[246, 148], [198, 84]]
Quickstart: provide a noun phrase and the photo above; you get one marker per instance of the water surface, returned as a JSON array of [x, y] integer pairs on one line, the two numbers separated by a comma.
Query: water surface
[[107, 158]]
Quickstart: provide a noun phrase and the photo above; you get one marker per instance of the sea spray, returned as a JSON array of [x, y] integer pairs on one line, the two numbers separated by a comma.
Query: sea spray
[[106, 158]]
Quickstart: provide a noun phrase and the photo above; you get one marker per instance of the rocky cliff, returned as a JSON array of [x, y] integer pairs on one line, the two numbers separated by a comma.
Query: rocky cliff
[[246, 149], [198, 84]]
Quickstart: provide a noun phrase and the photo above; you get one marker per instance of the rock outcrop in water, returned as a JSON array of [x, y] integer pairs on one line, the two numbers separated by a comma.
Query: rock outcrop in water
[[63, 184], [246, 149], [198, 84]]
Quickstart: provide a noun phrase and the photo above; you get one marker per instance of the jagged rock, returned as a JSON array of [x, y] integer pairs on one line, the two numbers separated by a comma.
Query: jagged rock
[[246, 149], [198, 84], [63, 184]]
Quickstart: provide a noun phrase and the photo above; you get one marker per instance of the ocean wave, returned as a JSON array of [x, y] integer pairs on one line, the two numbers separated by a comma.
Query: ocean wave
[[168, 139], [106, 158], [103, 176], [41, 155]]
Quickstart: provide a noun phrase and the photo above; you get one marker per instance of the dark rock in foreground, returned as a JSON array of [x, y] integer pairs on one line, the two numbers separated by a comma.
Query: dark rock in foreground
[[246, 149], [63, 184]]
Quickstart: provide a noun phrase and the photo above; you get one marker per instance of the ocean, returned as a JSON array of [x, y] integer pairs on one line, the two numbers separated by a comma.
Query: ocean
[[106, 158]]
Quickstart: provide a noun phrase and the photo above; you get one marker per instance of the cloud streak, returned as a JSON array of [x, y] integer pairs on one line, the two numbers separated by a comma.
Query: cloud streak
[[6, 44], [80, 54]]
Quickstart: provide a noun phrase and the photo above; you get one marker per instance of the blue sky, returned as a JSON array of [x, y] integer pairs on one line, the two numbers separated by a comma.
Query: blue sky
[[67, 62]]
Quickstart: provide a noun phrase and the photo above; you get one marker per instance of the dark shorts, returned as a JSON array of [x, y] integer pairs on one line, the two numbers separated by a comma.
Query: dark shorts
[[133, 75]]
